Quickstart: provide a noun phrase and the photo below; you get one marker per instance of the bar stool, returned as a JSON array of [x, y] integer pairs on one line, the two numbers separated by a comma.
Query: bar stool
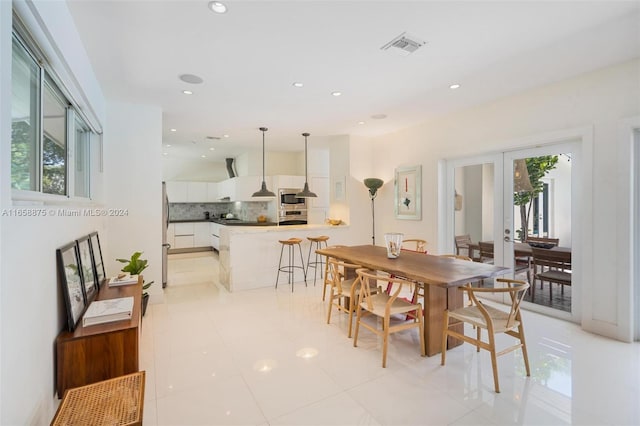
[[290, 267], [318, 242]]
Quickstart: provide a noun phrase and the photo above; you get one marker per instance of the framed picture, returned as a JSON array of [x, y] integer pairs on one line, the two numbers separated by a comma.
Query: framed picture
[[71, 280], [87, 267], [408, 193], [339, 188], [96, 253]]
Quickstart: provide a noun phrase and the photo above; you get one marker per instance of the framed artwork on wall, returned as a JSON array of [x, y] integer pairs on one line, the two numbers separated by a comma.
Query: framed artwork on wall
[[89, 279], [70, 276], [408, 200], [96, 252]]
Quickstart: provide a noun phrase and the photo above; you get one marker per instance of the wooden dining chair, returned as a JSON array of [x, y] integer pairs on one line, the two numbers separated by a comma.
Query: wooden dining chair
[[345, 288], [543, 240], [462, 243], [553, 266], [415, 244], [383, 305], [486, 252], [489, 318], [327, 279]]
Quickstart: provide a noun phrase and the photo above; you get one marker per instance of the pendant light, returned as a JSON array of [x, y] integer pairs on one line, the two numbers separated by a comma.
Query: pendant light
[[264, 192], [521, 181], [305, 192]]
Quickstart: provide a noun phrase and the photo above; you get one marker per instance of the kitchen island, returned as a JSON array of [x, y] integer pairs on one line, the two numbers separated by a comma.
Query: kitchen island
[[249, 255]]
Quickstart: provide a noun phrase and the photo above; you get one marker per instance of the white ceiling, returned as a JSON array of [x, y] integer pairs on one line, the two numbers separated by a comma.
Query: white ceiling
[[250, 56]]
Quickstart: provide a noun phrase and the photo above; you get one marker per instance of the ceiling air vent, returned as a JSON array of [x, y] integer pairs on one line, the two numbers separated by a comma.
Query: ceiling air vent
[[404, 44]]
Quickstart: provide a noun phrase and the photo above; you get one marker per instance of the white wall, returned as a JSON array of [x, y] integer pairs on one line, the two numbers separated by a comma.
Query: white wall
[[32, 311], [598, 99], [133, 143]]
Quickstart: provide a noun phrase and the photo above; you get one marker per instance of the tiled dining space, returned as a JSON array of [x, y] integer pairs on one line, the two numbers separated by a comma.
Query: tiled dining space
[[267, 357]]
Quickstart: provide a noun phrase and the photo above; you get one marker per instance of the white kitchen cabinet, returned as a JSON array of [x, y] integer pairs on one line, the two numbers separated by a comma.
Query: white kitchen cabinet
[[197, 192], [201, 234], [212, 191], [177, 192], [287, 181], [215, 235], [247, 185], [183, 241], [226, 188], [183, 228]]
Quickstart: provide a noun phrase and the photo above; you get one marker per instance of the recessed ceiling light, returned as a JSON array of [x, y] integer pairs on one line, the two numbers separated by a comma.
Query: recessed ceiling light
[[225, 136], [212, 149], [187, 92], [165, 153], [203, 156], [168, 145], [454, 86], [217, 7], [336, 93], [360, 122], [297, 84], [191, 79], [173, 130], [379, 116]]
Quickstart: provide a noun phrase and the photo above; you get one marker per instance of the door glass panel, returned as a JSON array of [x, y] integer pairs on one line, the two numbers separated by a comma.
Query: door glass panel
[[542, 218], [474, 207]]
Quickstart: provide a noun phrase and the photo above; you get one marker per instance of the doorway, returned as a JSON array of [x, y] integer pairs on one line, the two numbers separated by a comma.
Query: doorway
[[496, 209]]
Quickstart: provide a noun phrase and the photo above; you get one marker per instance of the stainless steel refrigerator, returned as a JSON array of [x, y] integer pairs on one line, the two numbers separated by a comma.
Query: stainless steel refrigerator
[[165, 225]]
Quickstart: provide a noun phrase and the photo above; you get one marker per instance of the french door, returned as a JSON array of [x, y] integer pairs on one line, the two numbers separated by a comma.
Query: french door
[[493, 208]]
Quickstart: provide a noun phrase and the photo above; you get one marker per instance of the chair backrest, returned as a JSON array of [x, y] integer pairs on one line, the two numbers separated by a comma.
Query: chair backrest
[[486, 250], [368, 280], [414, 244], [532, 239], [338, 270], [555, 259], [462, 242], [517, 289]]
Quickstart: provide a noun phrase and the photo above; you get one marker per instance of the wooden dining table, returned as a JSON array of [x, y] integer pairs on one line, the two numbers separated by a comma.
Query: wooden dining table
[[440, 277], [519, 249]]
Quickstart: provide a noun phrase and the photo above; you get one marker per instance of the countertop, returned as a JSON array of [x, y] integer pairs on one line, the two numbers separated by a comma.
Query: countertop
[[229, 222]]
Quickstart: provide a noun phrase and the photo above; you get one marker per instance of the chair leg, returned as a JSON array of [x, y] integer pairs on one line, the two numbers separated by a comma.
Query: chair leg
[[478, 336], [326, 271], [494, 361], [330, 306], [385, 341], [352, 308], [279, 265], [525, 355], [445, 329], [303, 271], [423, 348], [355, 335]]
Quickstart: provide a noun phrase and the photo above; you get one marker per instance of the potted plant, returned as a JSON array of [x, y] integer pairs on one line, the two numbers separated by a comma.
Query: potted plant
[[135, 266]]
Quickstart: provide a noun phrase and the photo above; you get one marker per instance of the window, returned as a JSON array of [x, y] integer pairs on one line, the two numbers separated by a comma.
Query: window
[[50, 139]]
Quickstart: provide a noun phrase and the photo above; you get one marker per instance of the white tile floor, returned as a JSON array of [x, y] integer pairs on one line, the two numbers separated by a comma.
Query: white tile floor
[[219, 358]]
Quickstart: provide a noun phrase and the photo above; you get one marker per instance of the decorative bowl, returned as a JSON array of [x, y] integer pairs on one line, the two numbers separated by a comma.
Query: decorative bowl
[[261, 219], [335, 221]]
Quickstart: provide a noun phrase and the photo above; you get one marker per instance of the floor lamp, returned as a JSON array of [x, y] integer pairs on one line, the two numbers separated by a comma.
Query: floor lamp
[[373, 184]]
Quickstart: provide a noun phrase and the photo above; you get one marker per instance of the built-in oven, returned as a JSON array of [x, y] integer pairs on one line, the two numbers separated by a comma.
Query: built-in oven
[[288, 199], [292, 217]]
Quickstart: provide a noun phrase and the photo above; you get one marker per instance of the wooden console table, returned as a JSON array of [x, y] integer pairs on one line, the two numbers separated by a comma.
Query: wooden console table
[[100, 352]]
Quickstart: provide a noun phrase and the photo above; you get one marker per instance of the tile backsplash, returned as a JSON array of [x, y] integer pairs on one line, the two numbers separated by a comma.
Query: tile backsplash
[[245, 210]]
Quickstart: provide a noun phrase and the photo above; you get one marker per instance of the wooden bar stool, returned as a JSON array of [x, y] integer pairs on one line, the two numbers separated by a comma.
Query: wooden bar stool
[[291, 266], [318, 245]]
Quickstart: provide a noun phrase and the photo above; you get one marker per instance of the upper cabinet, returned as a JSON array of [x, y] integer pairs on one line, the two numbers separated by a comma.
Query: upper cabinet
[[177, 192], [196, 192], [287, 181], [212, 191]]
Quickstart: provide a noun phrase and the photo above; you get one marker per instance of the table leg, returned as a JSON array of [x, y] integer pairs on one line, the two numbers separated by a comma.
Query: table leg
[[436, 301]]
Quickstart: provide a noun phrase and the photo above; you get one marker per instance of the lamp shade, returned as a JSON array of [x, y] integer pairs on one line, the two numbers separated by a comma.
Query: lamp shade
[[521, 181], [373, 184]]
